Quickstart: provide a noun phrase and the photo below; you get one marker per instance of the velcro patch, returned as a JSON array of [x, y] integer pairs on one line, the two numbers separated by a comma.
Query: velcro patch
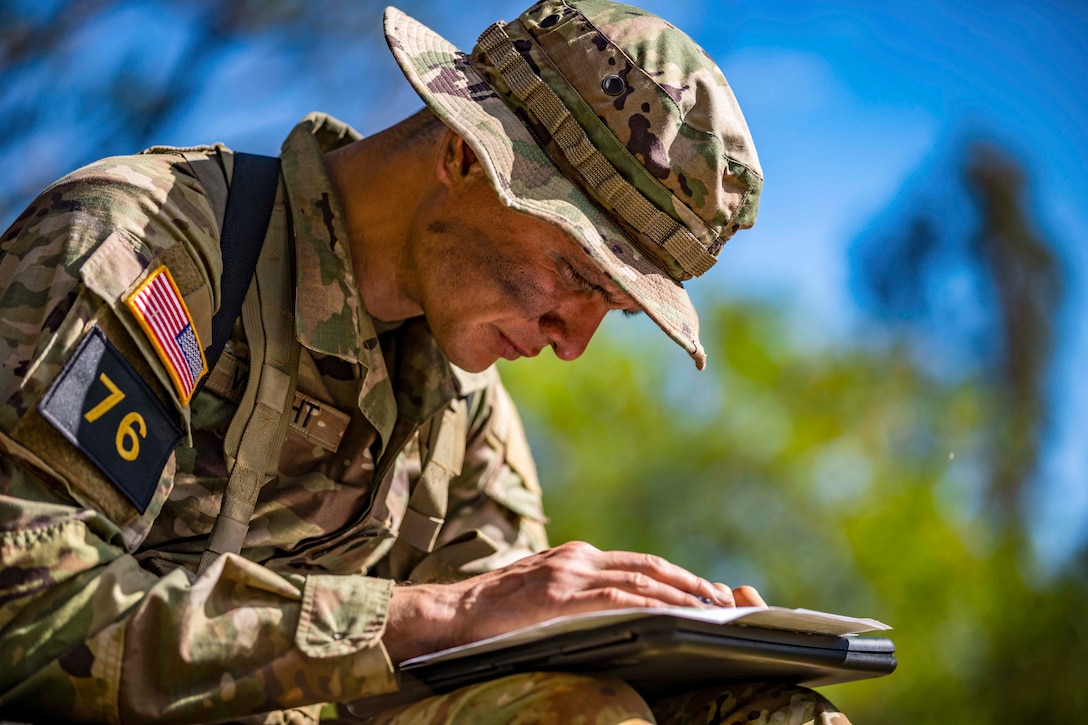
[[105, 409], [316, 421], [161, 312]]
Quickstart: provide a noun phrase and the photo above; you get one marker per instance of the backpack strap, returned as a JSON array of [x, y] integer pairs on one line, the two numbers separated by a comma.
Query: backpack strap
[[245, 224], [257, 431]]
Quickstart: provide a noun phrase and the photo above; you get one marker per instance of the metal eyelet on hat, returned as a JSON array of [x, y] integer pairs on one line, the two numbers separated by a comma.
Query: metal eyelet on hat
[[613, 85], [550, 20]]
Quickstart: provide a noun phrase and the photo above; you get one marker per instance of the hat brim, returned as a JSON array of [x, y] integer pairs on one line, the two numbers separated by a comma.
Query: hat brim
[[527, 180]]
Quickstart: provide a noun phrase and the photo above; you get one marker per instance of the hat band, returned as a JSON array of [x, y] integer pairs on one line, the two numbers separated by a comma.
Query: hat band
[[598, 174]]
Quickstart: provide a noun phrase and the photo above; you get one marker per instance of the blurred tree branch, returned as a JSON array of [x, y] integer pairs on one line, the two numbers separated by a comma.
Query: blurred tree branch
[[47, 91], [1026, 278], [1016, 290]]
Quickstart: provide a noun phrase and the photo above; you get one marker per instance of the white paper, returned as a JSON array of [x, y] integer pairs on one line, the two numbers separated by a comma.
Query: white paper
[[794, 620]]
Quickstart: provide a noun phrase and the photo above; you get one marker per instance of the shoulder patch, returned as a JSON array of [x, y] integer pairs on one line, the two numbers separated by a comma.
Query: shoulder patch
[[105, 409], [164, 317]]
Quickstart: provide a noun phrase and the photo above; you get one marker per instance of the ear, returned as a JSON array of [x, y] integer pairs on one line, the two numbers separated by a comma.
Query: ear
[[457, 161]]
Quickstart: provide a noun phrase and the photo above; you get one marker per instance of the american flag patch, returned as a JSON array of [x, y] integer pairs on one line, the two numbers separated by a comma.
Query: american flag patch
[[161, 312]]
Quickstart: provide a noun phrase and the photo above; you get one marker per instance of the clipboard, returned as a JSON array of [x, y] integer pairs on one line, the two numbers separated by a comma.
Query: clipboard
[[660, 652]]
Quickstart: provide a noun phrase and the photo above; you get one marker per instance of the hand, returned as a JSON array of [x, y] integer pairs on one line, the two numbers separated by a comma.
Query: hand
[[743, 596], [568, 579]]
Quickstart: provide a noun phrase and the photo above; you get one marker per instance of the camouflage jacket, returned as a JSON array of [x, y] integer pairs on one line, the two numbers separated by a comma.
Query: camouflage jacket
[[102, 616]]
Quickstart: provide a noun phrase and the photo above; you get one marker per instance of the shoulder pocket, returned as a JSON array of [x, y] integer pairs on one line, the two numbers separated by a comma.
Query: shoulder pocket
[[104, 428], [104, 409]]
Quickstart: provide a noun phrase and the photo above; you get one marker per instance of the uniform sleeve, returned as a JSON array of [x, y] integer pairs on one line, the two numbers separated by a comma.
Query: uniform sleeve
[[86, 634], [496, 513]]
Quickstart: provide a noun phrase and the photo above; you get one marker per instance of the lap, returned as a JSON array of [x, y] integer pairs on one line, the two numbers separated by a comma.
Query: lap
[[556, 697], [761, 703], [533, 697]]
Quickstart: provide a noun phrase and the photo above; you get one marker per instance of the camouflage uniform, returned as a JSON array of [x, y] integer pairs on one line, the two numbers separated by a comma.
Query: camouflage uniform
[[97, 618], [557, 697], [101, 614]]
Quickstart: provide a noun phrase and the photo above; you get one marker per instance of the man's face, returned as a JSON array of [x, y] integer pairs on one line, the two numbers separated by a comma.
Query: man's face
[[495, 283]]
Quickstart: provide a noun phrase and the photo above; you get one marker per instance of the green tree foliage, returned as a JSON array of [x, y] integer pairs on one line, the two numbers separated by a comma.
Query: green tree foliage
[[855, 479]]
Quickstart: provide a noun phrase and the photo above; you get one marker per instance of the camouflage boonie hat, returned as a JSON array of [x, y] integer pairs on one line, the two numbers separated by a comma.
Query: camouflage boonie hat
[[658, 168]]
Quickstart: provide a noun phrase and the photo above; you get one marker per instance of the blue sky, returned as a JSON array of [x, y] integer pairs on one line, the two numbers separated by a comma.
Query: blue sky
[[850, 104]]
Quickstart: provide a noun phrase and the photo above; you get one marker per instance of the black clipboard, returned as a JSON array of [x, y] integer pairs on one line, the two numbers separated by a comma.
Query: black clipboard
[[659, 655]]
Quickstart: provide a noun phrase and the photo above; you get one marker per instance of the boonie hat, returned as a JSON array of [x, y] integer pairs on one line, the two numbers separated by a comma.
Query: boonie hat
[[609, 122]]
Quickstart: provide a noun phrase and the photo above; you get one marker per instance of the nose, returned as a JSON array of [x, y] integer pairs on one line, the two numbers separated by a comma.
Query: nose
[[570, 329]]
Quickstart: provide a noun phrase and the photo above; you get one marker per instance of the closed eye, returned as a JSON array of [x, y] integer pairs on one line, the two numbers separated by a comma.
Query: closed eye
[[581, 282], [588, 287]]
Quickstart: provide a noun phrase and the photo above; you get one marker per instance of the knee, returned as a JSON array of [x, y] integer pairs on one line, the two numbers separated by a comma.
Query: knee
[[789, 703], [559, 697], [753, 704], [533, 698]]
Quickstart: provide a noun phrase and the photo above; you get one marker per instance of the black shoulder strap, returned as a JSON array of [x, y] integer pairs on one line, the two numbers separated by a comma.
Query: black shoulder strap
[[245, 223]]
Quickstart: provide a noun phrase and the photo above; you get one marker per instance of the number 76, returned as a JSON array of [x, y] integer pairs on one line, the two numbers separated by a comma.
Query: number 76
[[132, 427]]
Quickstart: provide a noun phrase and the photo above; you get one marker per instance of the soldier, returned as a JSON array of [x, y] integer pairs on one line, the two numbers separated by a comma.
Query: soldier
[[219, 515]]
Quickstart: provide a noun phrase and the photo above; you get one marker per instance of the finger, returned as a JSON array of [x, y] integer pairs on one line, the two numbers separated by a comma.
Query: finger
[[746, 596], [627, 587], [725, 595], [620, 598], [667, 573]]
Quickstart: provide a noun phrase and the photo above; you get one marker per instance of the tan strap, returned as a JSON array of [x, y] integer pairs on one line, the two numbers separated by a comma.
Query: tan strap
[[257, 431], [315, 420], [598, 173]]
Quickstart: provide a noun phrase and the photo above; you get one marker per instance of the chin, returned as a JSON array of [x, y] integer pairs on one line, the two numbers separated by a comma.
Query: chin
[[473, 366], [472, 361], [465, 348]]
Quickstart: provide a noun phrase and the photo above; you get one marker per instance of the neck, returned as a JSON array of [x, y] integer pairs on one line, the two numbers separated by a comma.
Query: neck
[[378, 187]]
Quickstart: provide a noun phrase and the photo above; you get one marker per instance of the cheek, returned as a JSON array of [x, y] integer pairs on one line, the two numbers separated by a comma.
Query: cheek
[[526, 290]]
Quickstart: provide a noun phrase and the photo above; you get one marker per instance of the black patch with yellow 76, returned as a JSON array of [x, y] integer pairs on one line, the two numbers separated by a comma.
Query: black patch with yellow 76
[[106, 410]]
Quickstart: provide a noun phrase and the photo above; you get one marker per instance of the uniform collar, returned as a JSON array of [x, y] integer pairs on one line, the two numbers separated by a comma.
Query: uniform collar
[[330, 317], [329, 314]]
